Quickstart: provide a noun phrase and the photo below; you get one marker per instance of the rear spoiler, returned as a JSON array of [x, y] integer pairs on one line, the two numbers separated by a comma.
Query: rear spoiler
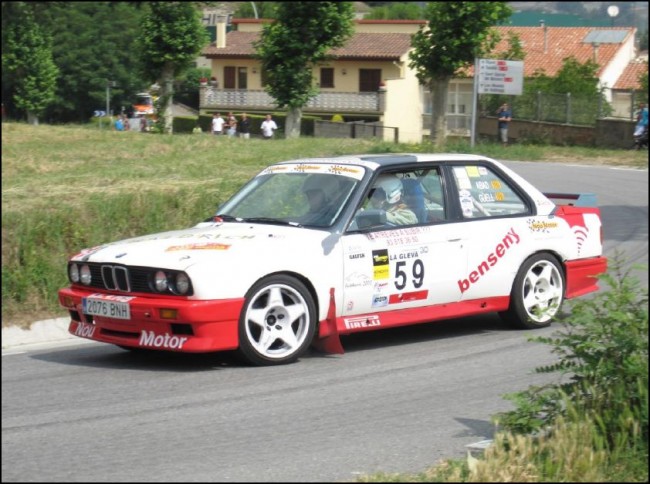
[[581, 199]]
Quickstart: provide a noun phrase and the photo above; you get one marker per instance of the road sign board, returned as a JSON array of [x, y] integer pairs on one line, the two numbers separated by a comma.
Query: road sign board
[[500, 77], [99, 114]]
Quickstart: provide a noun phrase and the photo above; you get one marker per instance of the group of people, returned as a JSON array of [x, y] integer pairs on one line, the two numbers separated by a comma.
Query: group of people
[[232, 127], [123, 123]]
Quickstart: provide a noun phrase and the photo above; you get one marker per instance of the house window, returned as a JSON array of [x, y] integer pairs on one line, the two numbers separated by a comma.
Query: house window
[[369, 80], [242, 78], [230, 77], [326, 77]]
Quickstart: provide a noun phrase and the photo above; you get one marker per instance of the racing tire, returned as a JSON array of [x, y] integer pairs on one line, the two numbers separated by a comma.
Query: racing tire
[[277, 323], [537, 293]]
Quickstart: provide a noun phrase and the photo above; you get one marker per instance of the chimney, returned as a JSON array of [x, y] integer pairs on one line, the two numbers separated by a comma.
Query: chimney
[[542, 24], [596, 45], [221, 31]]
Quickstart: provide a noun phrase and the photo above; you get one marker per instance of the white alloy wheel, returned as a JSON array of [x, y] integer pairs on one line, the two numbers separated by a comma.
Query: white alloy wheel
[[537, 293], [278, 321]]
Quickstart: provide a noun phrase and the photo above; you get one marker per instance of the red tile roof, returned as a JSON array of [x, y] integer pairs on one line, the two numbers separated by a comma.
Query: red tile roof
[[541, 54], [561, 42], [630, 77], [367, 46]]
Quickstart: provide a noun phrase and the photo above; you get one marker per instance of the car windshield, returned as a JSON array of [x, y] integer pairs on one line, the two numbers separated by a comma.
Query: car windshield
[[294, 194]]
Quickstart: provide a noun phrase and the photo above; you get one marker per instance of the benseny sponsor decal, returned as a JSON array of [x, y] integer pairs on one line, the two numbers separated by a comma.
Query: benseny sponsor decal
[[149, 338], [510, 239]]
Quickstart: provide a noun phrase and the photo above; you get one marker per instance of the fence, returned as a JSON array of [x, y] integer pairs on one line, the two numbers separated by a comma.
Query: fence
[[565, 108]]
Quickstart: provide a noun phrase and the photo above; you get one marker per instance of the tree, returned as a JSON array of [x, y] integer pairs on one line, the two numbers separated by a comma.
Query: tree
[[172, 37], [456, 33], [396, 11], [27, 61], [260, 10], [292, 45]]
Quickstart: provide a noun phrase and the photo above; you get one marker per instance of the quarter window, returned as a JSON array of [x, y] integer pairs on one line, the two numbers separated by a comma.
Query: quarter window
[[483, 193]]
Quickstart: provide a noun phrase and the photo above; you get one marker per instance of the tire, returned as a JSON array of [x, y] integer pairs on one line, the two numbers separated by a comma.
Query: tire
[[537, 293], [277, 323]]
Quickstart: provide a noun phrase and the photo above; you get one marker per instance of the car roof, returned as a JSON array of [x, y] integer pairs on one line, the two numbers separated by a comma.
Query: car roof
[[375, 161]]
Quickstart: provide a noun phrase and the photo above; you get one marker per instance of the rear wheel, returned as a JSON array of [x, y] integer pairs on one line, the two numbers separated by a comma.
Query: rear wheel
[[537, 293], [278, 321]]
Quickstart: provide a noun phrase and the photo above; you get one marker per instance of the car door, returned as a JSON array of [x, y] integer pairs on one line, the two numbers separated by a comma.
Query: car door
[[402, 267]]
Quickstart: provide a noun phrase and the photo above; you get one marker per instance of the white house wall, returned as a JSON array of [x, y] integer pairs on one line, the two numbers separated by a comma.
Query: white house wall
[[403, 108]]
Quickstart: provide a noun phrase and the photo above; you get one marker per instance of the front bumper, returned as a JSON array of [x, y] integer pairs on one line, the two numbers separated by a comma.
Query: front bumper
[[159, 322]]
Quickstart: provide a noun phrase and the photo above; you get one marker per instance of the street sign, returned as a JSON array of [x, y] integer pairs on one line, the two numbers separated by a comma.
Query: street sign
[[500, 77], [99, 114]]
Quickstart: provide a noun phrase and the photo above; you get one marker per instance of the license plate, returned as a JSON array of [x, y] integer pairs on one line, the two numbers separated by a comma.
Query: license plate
[[106, 308]]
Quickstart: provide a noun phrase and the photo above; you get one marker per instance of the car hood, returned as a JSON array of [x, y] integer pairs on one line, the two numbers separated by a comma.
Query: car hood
[[180, 249]]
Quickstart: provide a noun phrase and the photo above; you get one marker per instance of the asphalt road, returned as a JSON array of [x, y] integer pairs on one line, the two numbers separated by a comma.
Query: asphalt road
[[397, 401]]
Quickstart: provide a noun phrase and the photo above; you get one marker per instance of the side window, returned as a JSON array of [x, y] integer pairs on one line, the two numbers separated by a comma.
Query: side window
[[408, 197], [326, 77], [483, 193]]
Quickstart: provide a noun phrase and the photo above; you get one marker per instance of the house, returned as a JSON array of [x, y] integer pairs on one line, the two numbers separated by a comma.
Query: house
[[369, 77], [625, 92]]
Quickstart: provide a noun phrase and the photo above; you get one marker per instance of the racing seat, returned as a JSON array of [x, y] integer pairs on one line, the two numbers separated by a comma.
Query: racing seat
[[414, 198]]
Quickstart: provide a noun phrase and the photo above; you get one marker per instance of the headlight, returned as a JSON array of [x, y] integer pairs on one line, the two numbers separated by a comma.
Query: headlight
[[73, 272], [182, 283], [84, 275], [160, 281]]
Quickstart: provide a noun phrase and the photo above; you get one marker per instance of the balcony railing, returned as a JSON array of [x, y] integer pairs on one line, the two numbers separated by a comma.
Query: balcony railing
[[351, 102]]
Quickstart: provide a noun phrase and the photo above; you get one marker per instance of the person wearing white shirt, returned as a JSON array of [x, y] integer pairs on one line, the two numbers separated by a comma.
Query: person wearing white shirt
[[217, 123], [268, 127]]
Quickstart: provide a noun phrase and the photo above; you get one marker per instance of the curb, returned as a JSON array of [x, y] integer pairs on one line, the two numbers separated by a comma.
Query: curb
[[46, 331]]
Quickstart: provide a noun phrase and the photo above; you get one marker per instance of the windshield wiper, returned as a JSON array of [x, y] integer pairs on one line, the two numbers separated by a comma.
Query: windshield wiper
[[268, 220]]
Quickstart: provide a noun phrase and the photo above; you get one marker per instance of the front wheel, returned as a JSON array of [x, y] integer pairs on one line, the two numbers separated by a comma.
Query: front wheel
[[277, 323], [537, 293]]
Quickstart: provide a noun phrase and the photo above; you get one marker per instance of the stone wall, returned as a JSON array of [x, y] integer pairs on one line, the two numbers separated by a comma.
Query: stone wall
[[608, 133]]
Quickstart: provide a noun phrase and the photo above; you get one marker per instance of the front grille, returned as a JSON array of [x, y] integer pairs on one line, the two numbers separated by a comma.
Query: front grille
[[121, 278]]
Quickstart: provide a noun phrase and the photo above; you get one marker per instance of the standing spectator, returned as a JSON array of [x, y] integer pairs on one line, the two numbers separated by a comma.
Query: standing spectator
[[143, 124], [127, 123], [268, 127], [505, 116], [641, 119], [245, 126], [231, 123], [217, 123], [119, 124]]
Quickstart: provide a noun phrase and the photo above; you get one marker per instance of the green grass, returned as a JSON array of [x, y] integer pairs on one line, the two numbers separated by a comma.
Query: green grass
[[65, 188]]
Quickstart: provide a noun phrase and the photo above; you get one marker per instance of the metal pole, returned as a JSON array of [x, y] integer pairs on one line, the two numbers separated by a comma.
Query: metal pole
[[474, 102], [254, 9]]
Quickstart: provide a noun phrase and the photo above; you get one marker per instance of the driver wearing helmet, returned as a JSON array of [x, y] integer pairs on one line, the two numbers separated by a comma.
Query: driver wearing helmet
[[387, 195], [321, 191]]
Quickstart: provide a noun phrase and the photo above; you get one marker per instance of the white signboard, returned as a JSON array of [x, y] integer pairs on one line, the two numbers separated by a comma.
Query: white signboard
[[500, 76]]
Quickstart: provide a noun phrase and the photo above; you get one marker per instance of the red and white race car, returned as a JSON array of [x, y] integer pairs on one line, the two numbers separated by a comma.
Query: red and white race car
[[311, 249]]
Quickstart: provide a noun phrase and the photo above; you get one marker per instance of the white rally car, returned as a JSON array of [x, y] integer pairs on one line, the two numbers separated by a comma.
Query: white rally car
[[311, 249]]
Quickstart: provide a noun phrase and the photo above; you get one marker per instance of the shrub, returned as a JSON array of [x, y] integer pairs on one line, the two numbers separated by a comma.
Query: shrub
[[603, 349]]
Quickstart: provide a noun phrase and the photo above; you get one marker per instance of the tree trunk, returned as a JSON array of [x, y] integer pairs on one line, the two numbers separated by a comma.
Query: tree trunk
[[292, 123], [439, 88], [32, 118], [167, 95]]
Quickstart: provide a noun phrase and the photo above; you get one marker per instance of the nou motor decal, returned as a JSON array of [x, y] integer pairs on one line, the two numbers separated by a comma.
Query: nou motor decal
[[167, 341], [511, 238]]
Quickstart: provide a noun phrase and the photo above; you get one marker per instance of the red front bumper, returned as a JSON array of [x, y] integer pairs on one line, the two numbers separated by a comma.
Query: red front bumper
[[190, 326]]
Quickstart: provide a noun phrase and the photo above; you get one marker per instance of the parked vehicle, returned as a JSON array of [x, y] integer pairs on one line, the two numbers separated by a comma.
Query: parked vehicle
[[311, 249]]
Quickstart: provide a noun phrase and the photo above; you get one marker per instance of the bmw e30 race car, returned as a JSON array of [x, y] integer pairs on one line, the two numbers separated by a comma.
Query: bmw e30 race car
[[311, 249]]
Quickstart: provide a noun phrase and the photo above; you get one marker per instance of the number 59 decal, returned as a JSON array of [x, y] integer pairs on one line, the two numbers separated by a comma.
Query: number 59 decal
[[402, 274]]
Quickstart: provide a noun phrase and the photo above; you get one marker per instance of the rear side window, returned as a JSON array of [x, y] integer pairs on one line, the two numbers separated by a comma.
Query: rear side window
[[484, 193]]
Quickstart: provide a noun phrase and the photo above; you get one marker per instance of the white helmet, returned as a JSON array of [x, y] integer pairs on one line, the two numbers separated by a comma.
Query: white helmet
[[328, 184], [392, 187]]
